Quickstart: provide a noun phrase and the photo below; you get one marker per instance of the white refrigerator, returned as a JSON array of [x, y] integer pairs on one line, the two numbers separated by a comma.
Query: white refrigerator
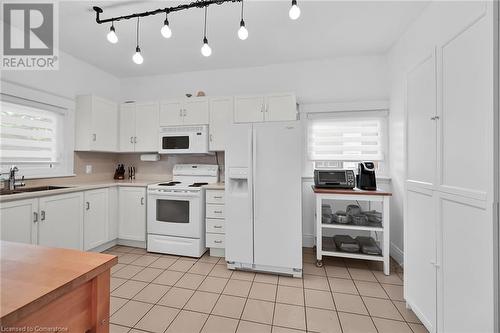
[[263, 197]]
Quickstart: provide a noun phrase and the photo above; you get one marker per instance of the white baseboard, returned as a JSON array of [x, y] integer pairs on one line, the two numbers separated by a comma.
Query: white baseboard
[[397, 254], [132, 243], [104, 246], [308, 240]]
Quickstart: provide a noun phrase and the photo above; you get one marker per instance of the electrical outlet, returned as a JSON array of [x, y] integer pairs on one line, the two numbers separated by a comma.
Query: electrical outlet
[[88, 169]]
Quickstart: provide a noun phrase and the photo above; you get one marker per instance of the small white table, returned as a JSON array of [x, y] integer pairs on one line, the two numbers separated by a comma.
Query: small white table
[[383, 197]]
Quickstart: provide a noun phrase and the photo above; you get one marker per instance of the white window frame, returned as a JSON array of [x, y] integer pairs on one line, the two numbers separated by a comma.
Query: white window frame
[[17, 94], [383, 115]]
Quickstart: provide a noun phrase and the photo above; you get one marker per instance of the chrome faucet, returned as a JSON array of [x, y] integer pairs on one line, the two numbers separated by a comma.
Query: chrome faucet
[[12, 178]]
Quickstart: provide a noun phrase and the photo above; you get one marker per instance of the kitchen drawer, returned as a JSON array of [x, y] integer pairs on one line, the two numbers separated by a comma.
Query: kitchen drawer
[[215, 226], [215, 196], [216, 240], [215, 211]]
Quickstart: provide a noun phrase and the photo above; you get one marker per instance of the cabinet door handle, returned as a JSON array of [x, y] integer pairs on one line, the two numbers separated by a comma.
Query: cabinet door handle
[[131, 139], [88, 205], [42, 213], [142, 201], [184, 113], [35, 216], [435, 118], [135, 139], [94, 137], [211, 137]]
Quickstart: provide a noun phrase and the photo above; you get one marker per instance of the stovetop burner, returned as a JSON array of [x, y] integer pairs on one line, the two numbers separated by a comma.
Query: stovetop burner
[[197, 184], [169, 184]]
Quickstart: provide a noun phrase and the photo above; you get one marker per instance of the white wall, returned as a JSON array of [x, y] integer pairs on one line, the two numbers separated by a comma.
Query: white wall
[[74, 77], [340, 79], [417, 42]]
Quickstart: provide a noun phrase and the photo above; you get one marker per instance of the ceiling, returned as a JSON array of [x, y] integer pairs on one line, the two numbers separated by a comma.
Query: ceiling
[[326, 29]]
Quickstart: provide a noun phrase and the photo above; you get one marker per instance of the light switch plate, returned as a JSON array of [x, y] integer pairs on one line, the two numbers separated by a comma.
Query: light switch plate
[[88, 169]]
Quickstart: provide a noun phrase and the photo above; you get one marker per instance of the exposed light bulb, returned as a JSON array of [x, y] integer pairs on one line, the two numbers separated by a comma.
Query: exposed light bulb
[[294, 12], [242, 31], [205, 49], [137, 58], [112, 37], [166, 31]]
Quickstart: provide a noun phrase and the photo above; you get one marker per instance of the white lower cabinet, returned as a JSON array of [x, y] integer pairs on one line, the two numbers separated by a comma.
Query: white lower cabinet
[[61, 221], [132, 213], [96, 218], [18, 221]]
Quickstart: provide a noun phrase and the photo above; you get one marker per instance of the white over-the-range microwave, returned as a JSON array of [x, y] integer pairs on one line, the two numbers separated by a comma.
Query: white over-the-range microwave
[[184, 139]]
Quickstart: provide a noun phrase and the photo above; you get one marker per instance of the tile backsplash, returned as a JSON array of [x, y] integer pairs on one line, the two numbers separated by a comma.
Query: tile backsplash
[[104, 165]]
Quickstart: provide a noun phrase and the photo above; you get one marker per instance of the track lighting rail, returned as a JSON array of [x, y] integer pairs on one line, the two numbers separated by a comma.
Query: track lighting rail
[[166, 10]]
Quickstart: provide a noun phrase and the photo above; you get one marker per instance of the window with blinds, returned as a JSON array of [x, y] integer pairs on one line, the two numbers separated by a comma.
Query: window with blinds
[[28, 135], [337, 139]]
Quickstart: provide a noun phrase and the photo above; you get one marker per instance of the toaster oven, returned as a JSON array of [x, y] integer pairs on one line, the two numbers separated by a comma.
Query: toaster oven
[[343, 179]]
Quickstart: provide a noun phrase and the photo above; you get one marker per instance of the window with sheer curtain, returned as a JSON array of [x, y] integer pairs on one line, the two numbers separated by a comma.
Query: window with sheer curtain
[[342, 142], [32, 136]]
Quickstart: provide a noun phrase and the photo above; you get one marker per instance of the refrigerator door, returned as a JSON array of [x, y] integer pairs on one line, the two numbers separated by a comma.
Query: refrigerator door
[[277, 194], [238, 196]]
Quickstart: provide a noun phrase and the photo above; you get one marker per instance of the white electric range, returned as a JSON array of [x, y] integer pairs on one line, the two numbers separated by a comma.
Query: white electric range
[[176, 211]]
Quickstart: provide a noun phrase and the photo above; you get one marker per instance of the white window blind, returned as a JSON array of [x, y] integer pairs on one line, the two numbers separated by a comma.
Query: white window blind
[[345, 139], [29, 135]]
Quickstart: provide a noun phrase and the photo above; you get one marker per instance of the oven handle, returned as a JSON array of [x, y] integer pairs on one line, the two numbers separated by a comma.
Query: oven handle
[[161, 194]]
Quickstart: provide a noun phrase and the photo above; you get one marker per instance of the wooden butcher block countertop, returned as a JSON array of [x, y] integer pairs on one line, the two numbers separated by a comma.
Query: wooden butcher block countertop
[[33, 276]]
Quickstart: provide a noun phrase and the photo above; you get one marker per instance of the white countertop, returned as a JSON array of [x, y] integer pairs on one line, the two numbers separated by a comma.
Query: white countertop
[[77, 187], [215, 186]]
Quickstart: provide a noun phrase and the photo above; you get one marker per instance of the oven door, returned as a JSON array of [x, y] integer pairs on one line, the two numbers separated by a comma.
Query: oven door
[[175, 214]]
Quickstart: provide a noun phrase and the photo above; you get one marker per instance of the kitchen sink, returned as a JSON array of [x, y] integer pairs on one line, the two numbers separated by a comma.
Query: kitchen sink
[[31, 189]]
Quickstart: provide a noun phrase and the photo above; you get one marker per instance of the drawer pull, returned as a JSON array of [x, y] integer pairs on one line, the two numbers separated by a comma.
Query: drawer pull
[[217, 227], [217, 197], [218, 242], [218, 211]]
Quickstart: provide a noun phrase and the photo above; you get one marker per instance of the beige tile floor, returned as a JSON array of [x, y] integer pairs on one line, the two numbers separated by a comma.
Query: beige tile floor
[[163, 293]]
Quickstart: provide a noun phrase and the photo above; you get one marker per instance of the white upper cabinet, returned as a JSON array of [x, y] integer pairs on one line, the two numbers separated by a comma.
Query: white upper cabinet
[[220, 117], [96, 124], [146, 127], [248, 109], [139, 127], [171, 113], [196, 111], [127, 127], [280, 107], [272, 107], [187, 111]]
